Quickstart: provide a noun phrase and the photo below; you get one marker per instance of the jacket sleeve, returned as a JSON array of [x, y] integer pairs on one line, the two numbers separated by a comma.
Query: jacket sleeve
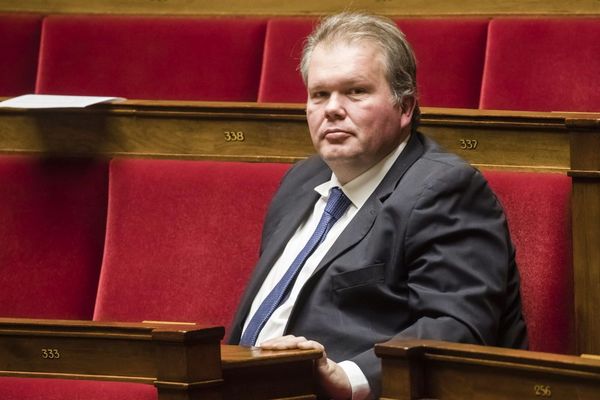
[[459, 261]]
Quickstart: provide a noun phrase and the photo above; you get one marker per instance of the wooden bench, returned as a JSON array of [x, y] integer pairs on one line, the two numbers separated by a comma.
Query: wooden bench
[[426, 369], [155, 129], [539, 142], [175, 361]]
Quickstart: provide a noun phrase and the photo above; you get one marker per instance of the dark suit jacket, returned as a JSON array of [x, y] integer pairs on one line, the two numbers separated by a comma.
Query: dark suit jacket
[[427, 256]]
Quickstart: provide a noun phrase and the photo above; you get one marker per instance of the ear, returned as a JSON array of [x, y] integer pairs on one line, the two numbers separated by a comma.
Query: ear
[[407, 108]]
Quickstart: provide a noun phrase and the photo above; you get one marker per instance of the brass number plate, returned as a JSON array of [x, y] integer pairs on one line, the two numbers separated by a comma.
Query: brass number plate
[[50, 354], [468, 144], [542, 391], [234, 136]]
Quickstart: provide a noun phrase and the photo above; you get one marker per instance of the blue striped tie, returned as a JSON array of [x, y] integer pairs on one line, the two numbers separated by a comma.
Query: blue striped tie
[[335, 208]]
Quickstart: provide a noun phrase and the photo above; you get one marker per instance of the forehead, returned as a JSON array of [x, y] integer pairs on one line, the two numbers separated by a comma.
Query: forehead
[[357, 59]]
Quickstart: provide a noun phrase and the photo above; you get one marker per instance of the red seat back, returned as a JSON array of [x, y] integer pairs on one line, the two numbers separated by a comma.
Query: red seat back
[[450, 55], [19, 47], [52, 224], [537, 206], [152, 57], [280, 79], [542, 64], [182, 238]]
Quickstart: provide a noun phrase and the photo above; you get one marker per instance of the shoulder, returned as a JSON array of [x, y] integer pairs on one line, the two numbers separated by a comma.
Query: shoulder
[[440, 177], [304, 175], [298, 184], [438, 167], [312, 167]]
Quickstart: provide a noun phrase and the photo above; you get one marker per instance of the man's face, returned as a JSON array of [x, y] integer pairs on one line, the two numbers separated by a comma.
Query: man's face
[[351, 114]]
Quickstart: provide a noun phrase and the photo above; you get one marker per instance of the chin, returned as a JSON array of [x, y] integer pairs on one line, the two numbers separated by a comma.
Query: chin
[[337, 153]]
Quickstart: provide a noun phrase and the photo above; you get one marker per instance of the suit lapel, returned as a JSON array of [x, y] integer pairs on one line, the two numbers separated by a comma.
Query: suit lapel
[[291, 217], [364, 219]]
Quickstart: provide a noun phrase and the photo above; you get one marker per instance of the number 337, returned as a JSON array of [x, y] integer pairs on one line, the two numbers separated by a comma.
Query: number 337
[[468, 144]]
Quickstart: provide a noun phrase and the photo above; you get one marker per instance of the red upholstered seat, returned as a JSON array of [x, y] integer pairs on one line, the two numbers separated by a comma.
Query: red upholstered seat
[[217, 59], [63, 389], [182, 238], [280, 79], [450, 55], [19, 47], [538, 212], [542, 64], [52, 225]]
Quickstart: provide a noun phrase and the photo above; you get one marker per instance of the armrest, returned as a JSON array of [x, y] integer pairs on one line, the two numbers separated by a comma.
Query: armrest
[[414, 369]]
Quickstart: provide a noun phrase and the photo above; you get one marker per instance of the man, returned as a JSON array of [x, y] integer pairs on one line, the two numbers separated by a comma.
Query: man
[[414, 243]]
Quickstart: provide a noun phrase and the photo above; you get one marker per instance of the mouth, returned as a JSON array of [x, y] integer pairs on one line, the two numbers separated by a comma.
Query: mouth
[[335, 134]]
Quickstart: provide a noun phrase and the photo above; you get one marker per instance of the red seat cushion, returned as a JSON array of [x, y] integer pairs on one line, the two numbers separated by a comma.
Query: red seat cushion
[[216, 59], [19, 47], [450, 55], [542, 64], [537, 207], [182, 238], [62, 389], [52, 225]]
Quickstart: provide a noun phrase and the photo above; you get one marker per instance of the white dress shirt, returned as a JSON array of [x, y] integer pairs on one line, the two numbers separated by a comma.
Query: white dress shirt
[[358, 191]]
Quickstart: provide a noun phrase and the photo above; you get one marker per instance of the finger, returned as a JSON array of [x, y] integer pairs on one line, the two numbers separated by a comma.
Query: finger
[[311, 344], [283, 342]]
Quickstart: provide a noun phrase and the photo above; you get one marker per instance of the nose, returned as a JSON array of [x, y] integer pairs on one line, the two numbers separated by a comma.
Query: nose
[[334, 109]]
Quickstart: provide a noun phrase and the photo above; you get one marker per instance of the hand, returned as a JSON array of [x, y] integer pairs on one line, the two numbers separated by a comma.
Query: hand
[[332, 379]]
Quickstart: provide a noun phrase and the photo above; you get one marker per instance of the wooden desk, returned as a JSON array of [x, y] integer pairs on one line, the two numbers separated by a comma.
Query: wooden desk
[[251, 373], [276, 132], [181, 361], [424, 369]]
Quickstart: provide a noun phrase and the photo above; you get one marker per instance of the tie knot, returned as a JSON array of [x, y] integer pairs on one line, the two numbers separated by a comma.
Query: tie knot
[[337, 203]]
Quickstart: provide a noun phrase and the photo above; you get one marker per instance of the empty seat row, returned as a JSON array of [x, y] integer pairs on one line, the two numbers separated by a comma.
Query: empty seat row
[[129, 240], [181, 240], [144, 239], [541, 64]]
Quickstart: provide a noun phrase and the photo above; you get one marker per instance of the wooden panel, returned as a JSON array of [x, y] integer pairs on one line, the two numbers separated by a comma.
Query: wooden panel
[[105, 351], [269, 132], [306, 7], [494, 139], [182, 361], [452, 371], [177, 130], [586, 262], [291, 374], [585, 154]]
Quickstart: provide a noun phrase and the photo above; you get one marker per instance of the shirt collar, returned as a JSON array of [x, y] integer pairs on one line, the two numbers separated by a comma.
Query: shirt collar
[[360, 188]]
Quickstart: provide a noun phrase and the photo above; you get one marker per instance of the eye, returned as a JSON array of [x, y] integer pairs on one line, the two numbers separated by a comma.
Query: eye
[[319, 95], [357, 91]]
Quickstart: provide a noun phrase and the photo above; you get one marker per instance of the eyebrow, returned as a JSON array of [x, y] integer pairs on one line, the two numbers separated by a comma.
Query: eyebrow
[[359, 81]]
